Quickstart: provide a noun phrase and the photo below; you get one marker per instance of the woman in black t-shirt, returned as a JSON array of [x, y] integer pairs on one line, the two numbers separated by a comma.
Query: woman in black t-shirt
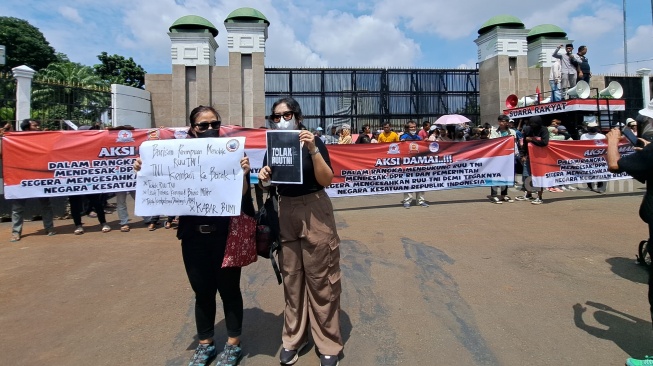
[[203, 243], [310, 252]]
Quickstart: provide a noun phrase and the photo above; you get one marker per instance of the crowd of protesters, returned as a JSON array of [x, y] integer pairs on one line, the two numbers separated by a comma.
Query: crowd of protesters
[[535, 130]]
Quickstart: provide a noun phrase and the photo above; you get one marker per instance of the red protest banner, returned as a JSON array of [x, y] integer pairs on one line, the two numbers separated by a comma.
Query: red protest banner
[[65, 163], [367, 169], [571, 162]]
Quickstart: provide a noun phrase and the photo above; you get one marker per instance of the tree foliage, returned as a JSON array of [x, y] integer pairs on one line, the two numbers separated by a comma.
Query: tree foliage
[[68, 90], [25, 44], [70, 73], [116, 69]]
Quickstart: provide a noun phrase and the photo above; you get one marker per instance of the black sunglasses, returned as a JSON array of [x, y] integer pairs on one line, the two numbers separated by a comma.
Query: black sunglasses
[[202, 126], [286, 115]]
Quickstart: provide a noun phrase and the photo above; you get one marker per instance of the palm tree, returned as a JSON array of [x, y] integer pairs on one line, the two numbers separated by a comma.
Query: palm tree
[[68, 90]]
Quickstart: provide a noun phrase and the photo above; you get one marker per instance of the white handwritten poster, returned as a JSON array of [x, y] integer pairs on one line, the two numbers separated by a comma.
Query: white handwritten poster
[[193, 177]]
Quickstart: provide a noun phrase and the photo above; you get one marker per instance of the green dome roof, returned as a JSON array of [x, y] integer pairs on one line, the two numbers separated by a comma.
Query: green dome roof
[[542, 30], [193, 22], [506, 21], [246, 15]]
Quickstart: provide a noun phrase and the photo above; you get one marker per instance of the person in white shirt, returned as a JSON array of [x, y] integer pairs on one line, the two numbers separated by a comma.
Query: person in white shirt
[[569, 66], [555, 76], [594, 134]]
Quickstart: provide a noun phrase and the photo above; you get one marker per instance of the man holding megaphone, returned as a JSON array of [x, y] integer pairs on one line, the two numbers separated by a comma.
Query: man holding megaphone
[[569, 66]]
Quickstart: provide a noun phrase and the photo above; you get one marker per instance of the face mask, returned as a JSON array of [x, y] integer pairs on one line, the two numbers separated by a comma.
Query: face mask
[[412, 132], [209, 133], [286, 125]]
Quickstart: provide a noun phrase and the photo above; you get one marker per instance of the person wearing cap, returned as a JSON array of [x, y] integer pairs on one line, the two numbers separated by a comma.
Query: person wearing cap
[[375, 136], [568, 66], [332, 138], [345, 135], [562, 130], [640, 166], [631, 124], [411, 135], [319, 132], [434, 133], [502, 131], [594, 134]]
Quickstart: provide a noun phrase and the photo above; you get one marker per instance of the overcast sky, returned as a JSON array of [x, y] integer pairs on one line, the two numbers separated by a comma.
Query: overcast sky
[[339, 33]]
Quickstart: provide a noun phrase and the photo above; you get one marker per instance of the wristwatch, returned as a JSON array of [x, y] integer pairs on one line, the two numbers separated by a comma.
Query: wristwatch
[[317, 151]]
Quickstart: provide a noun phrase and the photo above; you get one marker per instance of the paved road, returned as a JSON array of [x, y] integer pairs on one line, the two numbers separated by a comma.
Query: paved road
[[463, 282]]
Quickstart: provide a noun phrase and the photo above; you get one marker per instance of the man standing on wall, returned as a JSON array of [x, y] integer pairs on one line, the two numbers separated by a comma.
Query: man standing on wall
[[569, 66], [584, 72]]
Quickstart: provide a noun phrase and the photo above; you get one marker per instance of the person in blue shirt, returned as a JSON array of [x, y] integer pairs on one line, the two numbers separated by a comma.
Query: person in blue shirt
[[411, 135]]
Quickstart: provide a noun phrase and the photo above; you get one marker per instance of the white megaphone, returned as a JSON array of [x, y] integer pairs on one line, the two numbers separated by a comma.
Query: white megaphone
[[581, 90], [525, 101], [614, 90]]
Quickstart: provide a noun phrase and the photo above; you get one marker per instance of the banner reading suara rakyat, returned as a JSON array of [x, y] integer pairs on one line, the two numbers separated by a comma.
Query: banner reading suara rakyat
[[67, 163], [572, 162], [368, 169]]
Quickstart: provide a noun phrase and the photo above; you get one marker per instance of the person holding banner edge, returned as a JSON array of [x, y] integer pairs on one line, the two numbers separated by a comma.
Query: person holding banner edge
[[537, 135], [310, 246], [18, 205], [502, 131], [203, 242]]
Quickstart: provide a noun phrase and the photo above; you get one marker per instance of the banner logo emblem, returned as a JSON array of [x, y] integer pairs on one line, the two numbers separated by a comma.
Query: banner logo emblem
[[393, 148], [125, 136], [434, 147], [232, 145]]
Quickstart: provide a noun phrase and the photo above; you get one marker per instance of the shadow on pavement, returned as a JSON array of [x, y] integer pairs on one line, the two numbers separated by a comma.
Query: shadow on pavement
[[628, 268], [631, 334]]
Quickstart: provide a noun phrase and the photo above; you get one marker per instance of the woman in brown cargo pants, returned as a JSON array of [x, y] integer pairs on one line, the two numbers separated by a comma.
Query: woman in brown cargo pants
[[310, 253]]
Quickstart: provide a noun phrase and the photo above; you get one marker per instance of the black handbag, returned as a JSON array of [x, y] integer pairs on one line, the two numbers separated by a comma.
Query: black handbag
[[267, 230]]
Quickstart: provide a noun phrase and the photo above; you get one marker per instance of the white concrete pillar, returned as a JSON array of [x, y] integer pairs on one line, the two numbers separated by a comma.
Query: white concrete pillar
[[24, 76], [646, 86]]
